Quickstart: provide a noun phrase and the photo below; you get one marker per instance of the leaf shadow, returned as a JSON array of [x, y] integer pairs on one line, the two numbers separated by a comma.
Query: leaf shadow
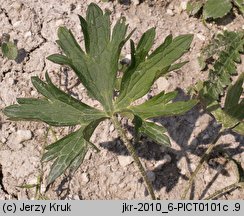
[[22, 53], [180, 129], [227, 19]]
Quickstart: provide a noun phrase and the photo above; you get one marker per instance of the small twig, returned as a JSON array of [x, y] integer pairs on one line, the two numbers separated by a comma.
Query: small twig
[[200, 164], [224, 190], [133, 153]]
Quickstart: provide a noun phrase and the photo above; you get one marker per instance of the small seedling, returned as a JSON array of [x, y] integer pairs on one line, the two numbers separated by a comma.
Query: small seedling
[[9, 49], [97, 69], [213, 9]]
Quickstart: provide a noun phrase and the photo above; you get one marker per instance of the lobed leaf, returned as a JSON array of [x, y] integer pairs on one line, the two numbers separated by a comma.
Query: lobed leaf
[[231, 45], [137, 81], [58, 109], [97, 69], [65, 151], [159, 106]]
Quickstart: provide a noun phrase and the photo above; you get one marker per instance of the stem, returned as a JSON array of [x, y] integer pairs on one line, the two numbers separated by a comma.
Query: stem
[[223, 190], [200, 164], [133, 153]]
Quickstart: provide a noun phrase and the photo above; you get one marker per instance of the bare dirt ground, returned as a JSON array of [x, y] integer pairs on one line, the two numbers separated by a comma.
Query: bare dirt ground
[[110, 174]]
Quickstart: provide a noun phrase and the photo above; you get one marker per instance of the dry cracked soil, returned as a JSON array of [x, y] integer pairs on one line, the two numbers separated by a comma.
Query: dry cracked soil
[[110, 174]]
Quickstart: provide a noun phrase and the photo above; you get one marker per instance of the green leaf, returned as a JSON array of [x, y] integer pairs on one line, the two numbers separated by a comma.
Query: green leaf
[[77, 161], [98, 28], [155, 132], [159, 106], [97, 69], [216, 8], [239, 128], [194, 7], [167, 41], [59, 109], [234, 93], [159, 99], [177, 66], [224, 119], [145, 44], [232, 114], [65, 151], [229, 47], [59, 59], [53, 112], [240, 5], [172, 109], [85, 31], [137, 82], [9, 50]]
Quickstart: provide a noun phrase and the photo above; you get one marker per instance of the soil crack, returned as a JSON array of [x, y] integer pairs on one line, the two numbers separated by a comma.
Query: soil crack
[[6, 15], [44, 40], [1, 181]]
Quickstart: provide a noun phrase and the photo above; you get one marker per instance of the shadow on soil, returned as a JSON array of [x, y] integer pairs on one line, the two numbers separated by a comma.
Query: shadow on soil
[[180, 129]]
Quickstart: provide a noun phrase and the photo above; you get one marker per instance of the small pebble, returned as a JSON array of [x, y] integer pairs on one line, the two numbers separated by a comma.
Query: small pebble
[[28, 34], [17, 24], [201, 37], [84, 178], [125, 160], [135, 2], [183, 5], [170, 12], [3, 140], [162, 83], [111, 128], [166, 159], [17, 5], [22, 135]]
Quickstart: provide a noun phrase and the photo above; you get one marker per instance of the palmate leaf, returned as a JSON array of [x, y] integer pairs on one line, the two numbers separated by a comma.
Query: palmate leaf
[[232, 114], [97, 68], [58, 108], [216, 8], [137, 81]]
